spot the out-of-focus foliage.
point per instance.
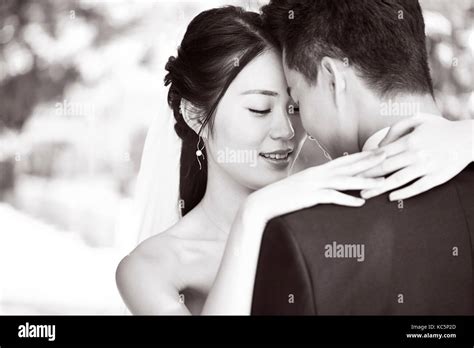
(47, 57)
(450, 33)
(39, 41)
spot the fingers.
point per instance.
(363, 164)
(398, 146)
(424, 184)
(390, 165)
(335, 197)
(343, 183)
(348, 159)
(347, 165)
(400, 129)
(397, 179)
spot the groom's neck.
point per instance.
(378, 113)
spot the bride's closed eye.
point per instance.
(260, 112)
(259, 102)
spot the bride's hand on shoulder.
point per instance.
(429, 149)
(315, 185)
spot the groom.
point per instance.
(356, 68)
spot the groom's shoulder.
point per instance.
(466, 178)
(454, 199)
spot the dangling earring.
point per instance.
(199, 149)
(199, 152)
(181, 107)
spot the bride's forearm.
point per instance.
(231, 293)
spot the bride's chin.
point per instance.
(272, 176)
(264, 178)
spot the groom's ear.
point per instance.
(191, 116)
(333, 73)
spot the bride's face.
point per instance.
(257, 130)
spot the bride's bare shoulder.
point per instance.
(151, 278)
(158, 254)
(158, 247)
(152, 268)
(167, 246)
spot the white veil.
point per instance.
(155, 205)
(157, 188)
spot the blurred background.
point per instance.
(80, 82)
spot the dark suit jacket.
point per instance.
(418, 257)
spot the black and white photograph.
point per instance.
(218, 159)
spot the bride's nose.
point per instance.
(281, 127)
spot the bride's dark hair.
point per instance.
(217, 45)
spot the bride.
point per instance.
(228, 94)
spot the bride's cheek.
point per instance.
(239, 132)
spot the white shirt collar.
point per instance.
(373, 142)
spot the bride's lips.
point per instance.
(278, 158)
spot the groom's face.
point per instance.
(317, 111)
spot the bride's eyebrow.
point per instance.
(261, 91)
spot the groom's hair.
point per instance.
(383, 39)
